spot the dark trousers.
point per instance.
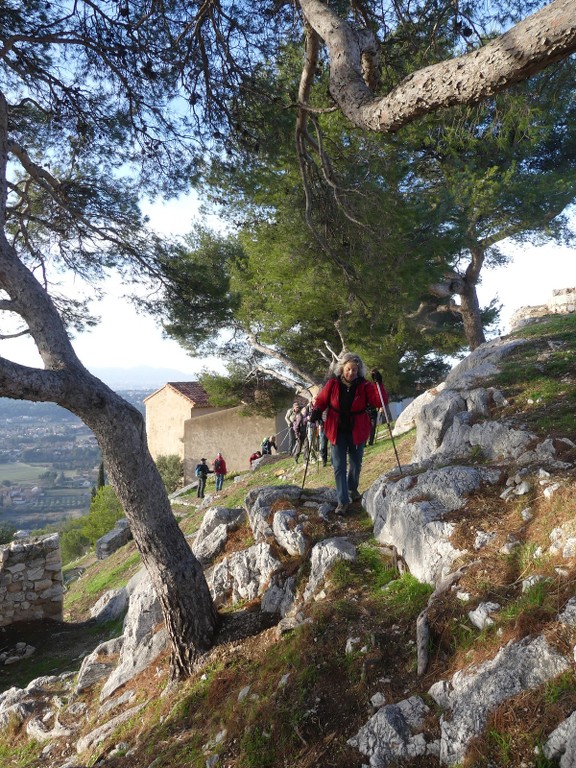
(201, 486)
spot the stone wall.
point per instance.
(234, 435)
(31, 580)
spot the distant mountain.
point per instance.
(142, 377)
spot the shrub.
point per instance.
(171, 470)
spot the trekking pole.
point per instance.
(307, 461)
(388, 423)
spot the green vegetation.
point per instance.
(19, 472)
(540, 375)
(406, 596)
(79, 534)
(171, 470)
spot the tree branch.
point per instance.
(543, 38)
(304, 377)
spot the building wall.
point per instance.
(31, 584)
(166, 412)
(235, 436)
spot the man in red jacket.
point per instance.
(346, 396)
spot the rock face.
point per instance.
(409, 514)
(472, 694)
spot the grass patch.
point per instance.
(371, 569)
(406, 596)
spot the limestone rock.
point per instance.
(324, 555)
(472, 694)
(409, 515)
(394, 733)
(242, 576)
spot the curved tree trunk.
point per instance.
(176, 574)
(470, 311)
(541, 39)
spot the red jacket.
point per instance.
(366, 394)
(222, 470)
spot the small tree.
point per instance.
(171, 470)
(105, 510)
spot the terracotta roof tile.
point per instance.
(191, 390)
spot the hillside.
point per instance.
(295, 698)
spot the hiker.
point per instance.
(347, 395)
(374, 414)
(318, 424)
(267, 444)
(254, 457)
(322, 443)
(291, 414)
(202, 471)
(299, 430)
(219, 470)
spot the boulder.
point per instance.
(409, 514)
(324, 555)
(472, 694)
(144, 636)
(394, 733)
(242, 576)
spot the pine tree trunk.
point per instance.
(470, 311)
(176, 574)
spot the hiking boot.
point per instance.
(355, 496)
(341, 509)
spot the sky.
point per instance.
(125, 339)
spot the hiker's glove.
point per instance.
(316, 415)
(376, 376)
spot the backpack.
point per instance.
(217, 465)
(198, 470)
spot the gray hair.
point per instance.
(349, 357)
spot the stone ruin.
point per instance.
(563, 302)
(31, 584)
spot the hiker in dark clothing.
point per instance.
(202, 472)
(299, 426)
(267, 444)
(291, 414)
(347, 396)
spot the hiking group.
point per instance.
(203, 470)
(344, 413)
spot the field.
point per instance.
(21, 473)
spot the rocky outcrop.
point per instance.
(114, 539)
(563, 301)
(410, 513)
(470, 695)
(462, 448)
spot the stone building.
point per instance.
(180, 421)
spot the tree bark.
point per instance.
(532, 45)
(176, 575)
(470, 311)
